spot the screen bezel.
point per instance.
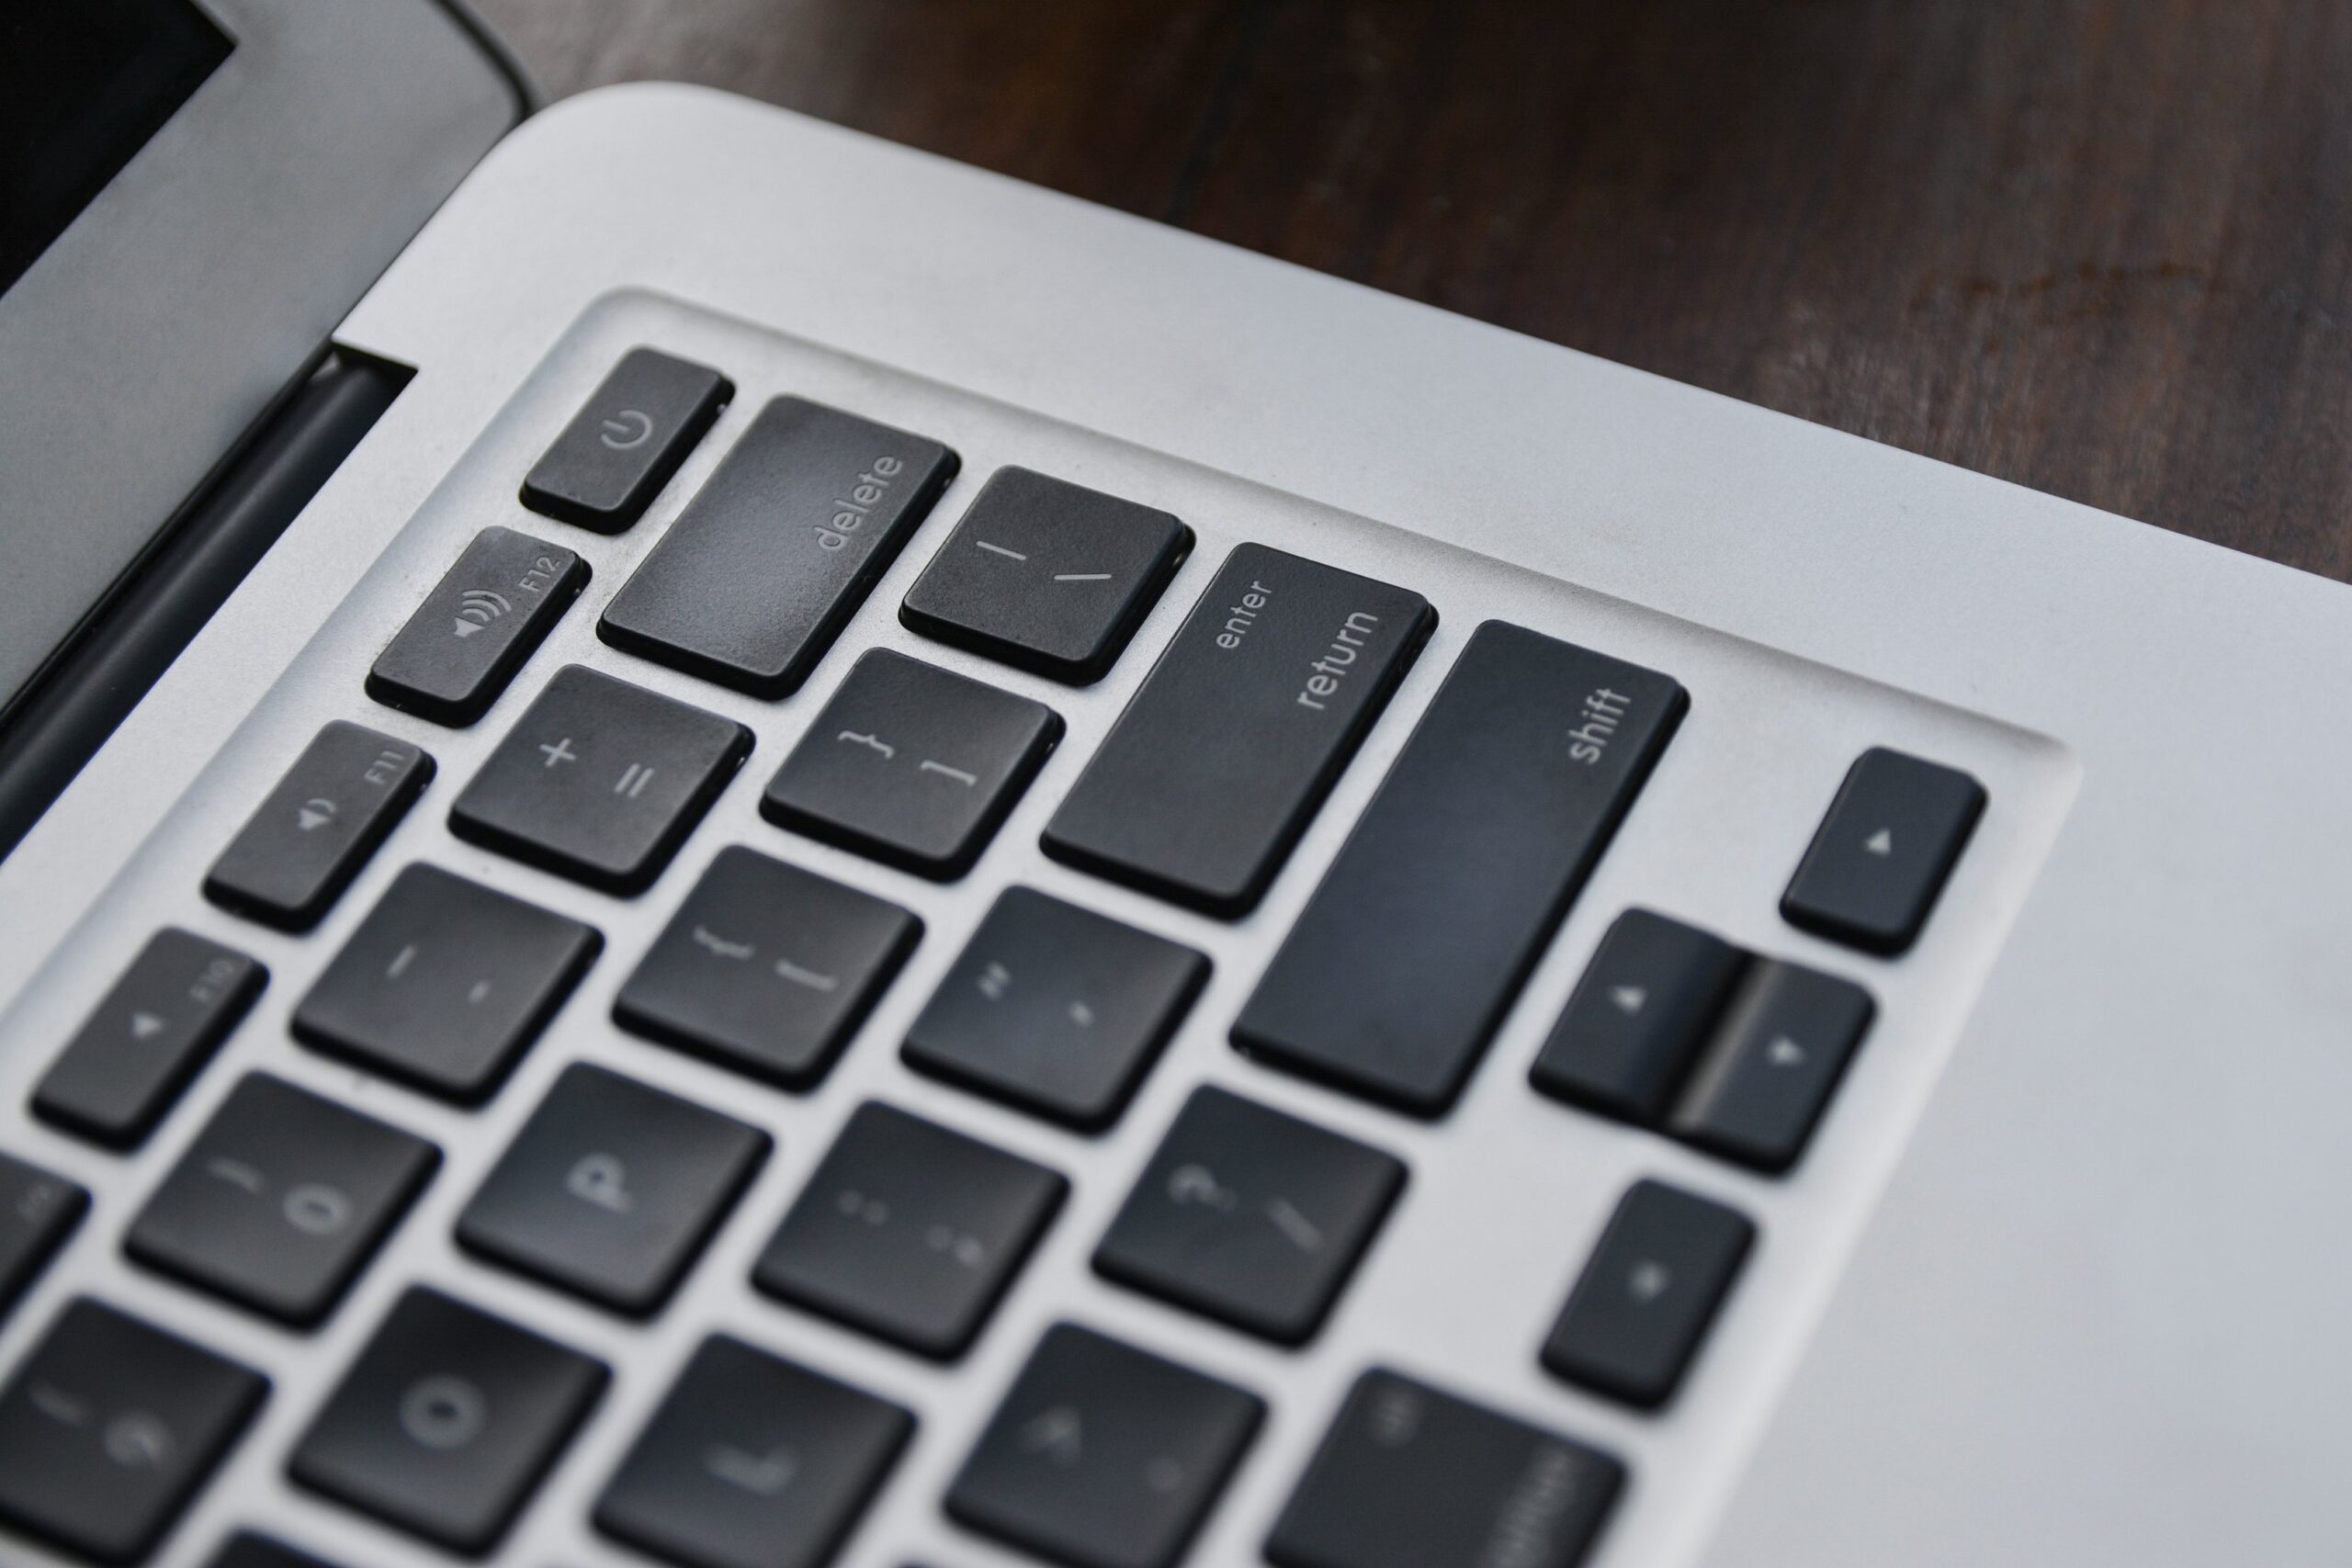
(154, 332)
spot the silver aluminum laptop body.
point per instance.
(2062, 1277)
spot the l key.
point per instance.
(1404, 961)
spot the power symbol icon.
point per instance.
(626, 429)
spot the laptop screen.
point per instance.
(82, 84)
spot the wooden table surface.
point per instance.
(2098, 247)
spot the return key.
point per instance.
(1239, 731)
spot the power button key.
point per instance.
(626, 440)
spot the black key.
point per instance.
(600, 780)
(446, 1422)
(768, 969)
(475, 629)
(1239, 731)
(1409, 1477)
(294, 857)
(773, 556)
(1639, 1017)
(611, 1189)
(1881, 855)
(1782, 1046)
(1048, 575)
(752, 1462)
(1250, 1216)
(1641, 1307)
(38, 1212)
(281, 1199)
(246, 1549)
(626, 441)
(155, 1032)
(910, 1232)
(109, 1428)
(1411, 952)
(1056, 1010)
(1102, 1456)
(912, 766)
(446, 984)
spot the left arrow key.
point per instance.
(295, 856)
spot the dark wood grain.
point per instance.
(2099, 247)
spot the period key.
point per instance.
(1239, 733)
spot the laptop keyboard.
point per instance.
(1069, 786)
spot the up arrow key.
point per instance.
(1852, 886)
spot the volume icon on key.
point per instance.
(476, 609)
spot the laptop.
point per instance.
(734, 849)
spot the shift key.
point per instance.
(1397, 974)
(779, 548)
(1228, 749)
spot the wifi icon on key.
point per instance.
(476, 609)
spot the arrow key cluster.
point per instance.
(1676, 1029)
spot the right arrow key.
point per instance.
(1881, 856)
(1776, 1059)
